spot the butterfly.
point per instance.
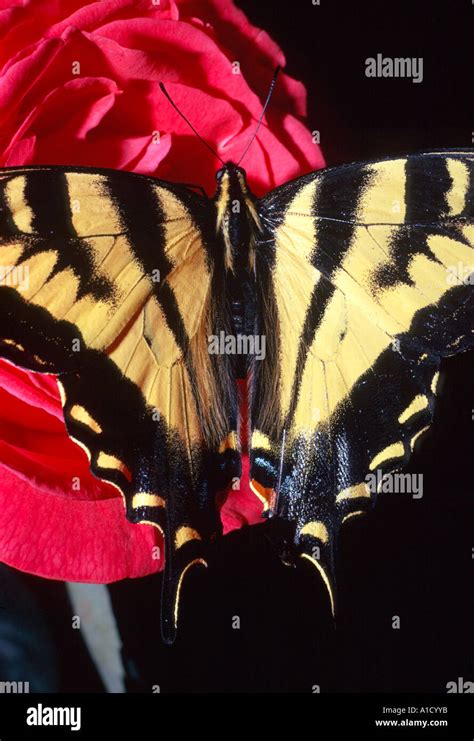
(335, 296)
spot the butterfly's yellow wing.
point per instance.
(364, 275)
(110, 280)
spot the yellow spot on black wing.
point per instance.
(316, 530)
(142, 499)
(434, 382)
(395, 450)
(105, 460)
(260, 440)
(419, 403)
(418, 434)
(353, 514)
(80, 414)
(354, 492)
(14, 344)
(184, 534)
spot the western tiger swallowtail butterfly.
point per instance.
(352, 281)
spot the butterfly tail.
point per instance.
(191, 523)
(317, 548)
(183, 550)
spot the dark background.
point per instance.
(411, 558)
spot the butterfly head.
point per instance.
(231, 177)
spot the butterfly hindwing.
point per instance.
(363, 280)
(111, 281)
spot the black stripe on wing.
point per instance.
(333, 239)
(47, 195)
(142, 217)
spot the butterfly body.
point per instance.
(350, 275)
(236, 222)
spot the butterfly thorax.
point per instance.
(236, 217)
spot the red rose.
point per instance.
(79, 86)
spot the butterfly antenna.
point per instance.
(270, 92)
(164, 90)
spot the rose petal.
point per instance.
(72, 540)
(79, 86)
